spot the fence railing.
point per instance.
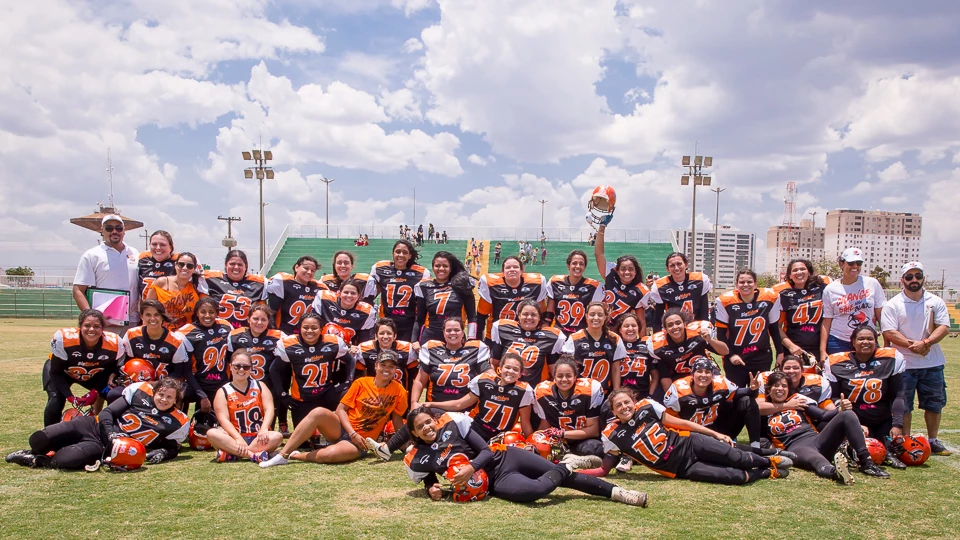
(40, 281)
(553, 234)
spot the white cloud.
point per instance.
(861, 188)
(401, 105)
(379, 69)
(412, 45)
(477, 160)
(891, 201)
(894, 173)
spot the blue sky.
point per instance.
(483, 106)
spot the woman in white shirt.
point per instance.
(852, 300)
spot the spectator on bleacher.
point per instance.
(343, 262)
(446, 239)
(178, 293)
(497, 250)
(430, 233)
(914, 322)
(366, 240)
(157, 262)
(543, 238)
(111, 268)
(533, 256)
(592, 238)
(543, 255)
(401, 231)
(449, 294)
(623, 281)
(438, 237)
(359, 241)
(235, 289)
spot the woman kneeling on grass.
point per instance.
(361, 414)
(666, 445)
(245, 411)
(515, 475)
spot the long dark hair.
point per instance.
(414, 254)
(412, 416)
(333, 268)
(197, 270)
(144, 304)
(92, 313)
(813, 280)
(237, 253)
(459, 279)
(205, 301)
(774, 378)
(638, 278)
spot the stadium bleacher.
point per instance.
(324, 248)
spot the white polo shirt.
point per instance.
(911, 318)
(104, 267)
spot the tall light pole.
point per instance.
(261, 171)
(542, 203)
(328, 181)
(695, 171)
(716, 235)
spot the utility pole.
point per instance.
(814, 218)
(146, 239)
(414, 224)
(229, 242)
(542, 203)
(716, 235)
(328, 181)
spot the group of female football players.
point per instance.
(543, 383)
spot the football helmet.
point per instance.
(501, 441)
(600, 207)
(81, 406)
(137, 370)
(878, 452)
(475, 489)
(71, 414)
(913, 449)
(550, 446)
(334, 329)
(126, 455)
(199, 424)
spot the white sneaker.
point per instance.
(275, 460)
(582, 462)
(628, 496)
(842, 466)
(380, 449)
(625, 464)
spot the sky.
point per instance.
(483, 106)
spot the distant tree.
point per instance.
(828, 267)
(880, 275)
(20, 276)
(767, 280)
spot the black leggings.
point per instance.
(587, 447)
(740, 375)
(76, 443)
(733, 417)
(814, 453)
(57, 386)
(713, 461)
(523, 477)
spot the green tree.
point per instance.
(767, 280)
(20, 276)
(880, 275)
(828, 267)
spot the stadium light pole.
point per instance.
(542, 202)
(716, 235)
(328, 181)
(695, 172)
(261, 171)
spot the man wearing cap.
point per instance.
(848, 302)
(914, 322)
(111, 266)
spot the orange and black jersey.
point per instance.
(690, 296)
(499, 301)
(262, 349)
(637, 367)
(598, 357)
(786, 428)
(395, 288)
(450, 372)
(569, 412)
(167, 354)
(425, 460)
(313, 367)
(748, 327)
(69, 355)
(142, 421)
(245, 409)
(498, 406)
(207, 349)
(291, 300)
(149, 270)
(354, 325)
(571, 301)
(438, 302)
(800, 313)
(235, 297)
(680, 400)
(539, 348)
(645, 439)
(871, 386)
(333, 284)
(812, 386)
(620, 298)
(674, 359)
(409, 361)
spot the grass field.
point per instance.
(192, 498)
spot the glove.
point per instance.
(156, 456)
(605, 220)
(554, 432)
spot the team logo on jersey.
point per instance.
(296, 287)
(574, 403)
(445, 436)
(90, 356)
(607, 346)
(706, 401)
(735, 307)
(210, 331)
(154, 411)
(682, 348)
(153, 347)
(680, 287)
(584, 289)
(167, 419)
(524, 289)
(355, 315)
(242, 340)
(76, 354)
(164, 350)
(312, 349)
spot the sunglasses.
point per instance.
(855, 263)
(910, 277)
(188, 266)
(113, 228)
(241, 367)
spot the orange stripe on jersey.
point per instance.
(70, 337)
(328, 295)
(683, 386)
(533, 279)
(836, 358)
(173, 339)
(134, 332)
(330, 338)
(885, 352)
(558, 277)
(584, 387)
(257, 278)
(213, 274)
(729, 298)
(495, 279)
(579, 334)
(782, 286)
(695, 276)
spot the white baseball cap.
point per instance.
(910, 266)
(852, 255)
(110, 217)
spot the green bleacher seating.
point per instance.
(378, 250)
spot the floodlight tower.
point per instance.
(695, 171)
(261, 171)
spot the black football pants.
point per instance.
(734, 416)
(814, 453)
(57, 386)
(75, 444)
(718, 463)
(523, 477)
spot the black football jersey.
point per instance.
(290, 300)
(143, 422)
(789, 427)
(423, 459)
(333, 284)
(314, 366)
(645, 439)
(569, 412)
(674, 359)
(395, 288)
(350, 324)
(207, 349)
(441, 302)
(539, 348)
(680, 400)
(749, 324)
(262, 349)
(498, 408)
(801, 311)
(812, 386)
(620, 298)
(149, 270)
(499, 300)
(235, 297)
(82, 364)
(637, 367)
(866, 384)
(162, 353)
(450, 372)
(571, 301)
(597, 357)
(690, 296)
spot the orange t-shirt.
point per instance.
(179, 305)
(369, 408)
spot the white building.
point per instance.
(735, 253)
(805, 242)
(888, 239)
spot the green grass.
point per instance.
(192, 498)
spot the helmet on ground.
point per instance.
(878, 452)
(138, 370)
(199, 424)
(475, 489)
(549, 446)
(915, 449)
(126, 454)
(71, 414)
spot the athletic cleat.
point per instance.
(781, 462)
(260, 457)
(581, 462)
(894, 462)
(277, 459)
(843, 469)
(223, 457)
(22, 457)
(380, 449)
(628, 496)
(625, 465)
(937, 448)
(871, 469)
(778, 473)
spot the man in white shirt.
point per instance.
(914, 322)
(111, 265)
